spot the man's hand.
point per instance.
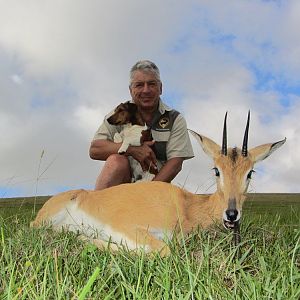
(144, 155)
(169, 170)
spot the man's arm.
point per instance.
(102, 149)
(169, 171)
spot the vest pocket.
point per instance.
(160, 136)
(160, 145)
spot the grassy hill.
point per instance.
(44, 264)
(260, 199)
(20, 201)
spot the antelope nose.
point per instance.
(231, 214)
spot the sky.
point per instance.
(65, 64)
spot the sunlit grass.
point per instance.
(42, 264)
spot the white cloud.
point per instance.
(64, 65)
(16, 79)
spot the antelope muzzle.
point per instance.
(231, 216)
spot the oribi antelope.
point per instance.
(145, 215)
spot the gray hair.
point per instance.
(146, 66)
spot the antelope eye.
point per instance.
(217, 173)
(250, 174)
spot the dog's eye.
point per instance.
(249, 175)
(217, 173)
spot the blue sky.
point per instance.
(64, 65)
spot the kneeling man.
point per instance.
(171, 144)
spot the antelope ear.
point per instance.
(263, 151)
(208, 146)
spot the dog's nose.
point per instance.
(231, 214)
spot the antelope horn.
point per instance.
(245, 141)
(224, 142)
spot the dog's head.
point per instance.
(126, 113)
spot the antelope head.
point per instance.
(233, 168)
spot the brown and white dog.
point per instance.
(134, 133)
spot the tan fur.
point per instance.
(132, 208)
(138, 215)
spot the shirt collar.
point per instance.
(162, 107)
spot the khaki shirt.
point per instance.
(178, 140)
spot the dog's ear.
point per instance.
(132, 108)
(135, 115)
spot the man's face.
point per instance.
(145, 90)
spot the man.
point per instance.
(171, 142)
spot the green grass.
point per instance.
(42, 264)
